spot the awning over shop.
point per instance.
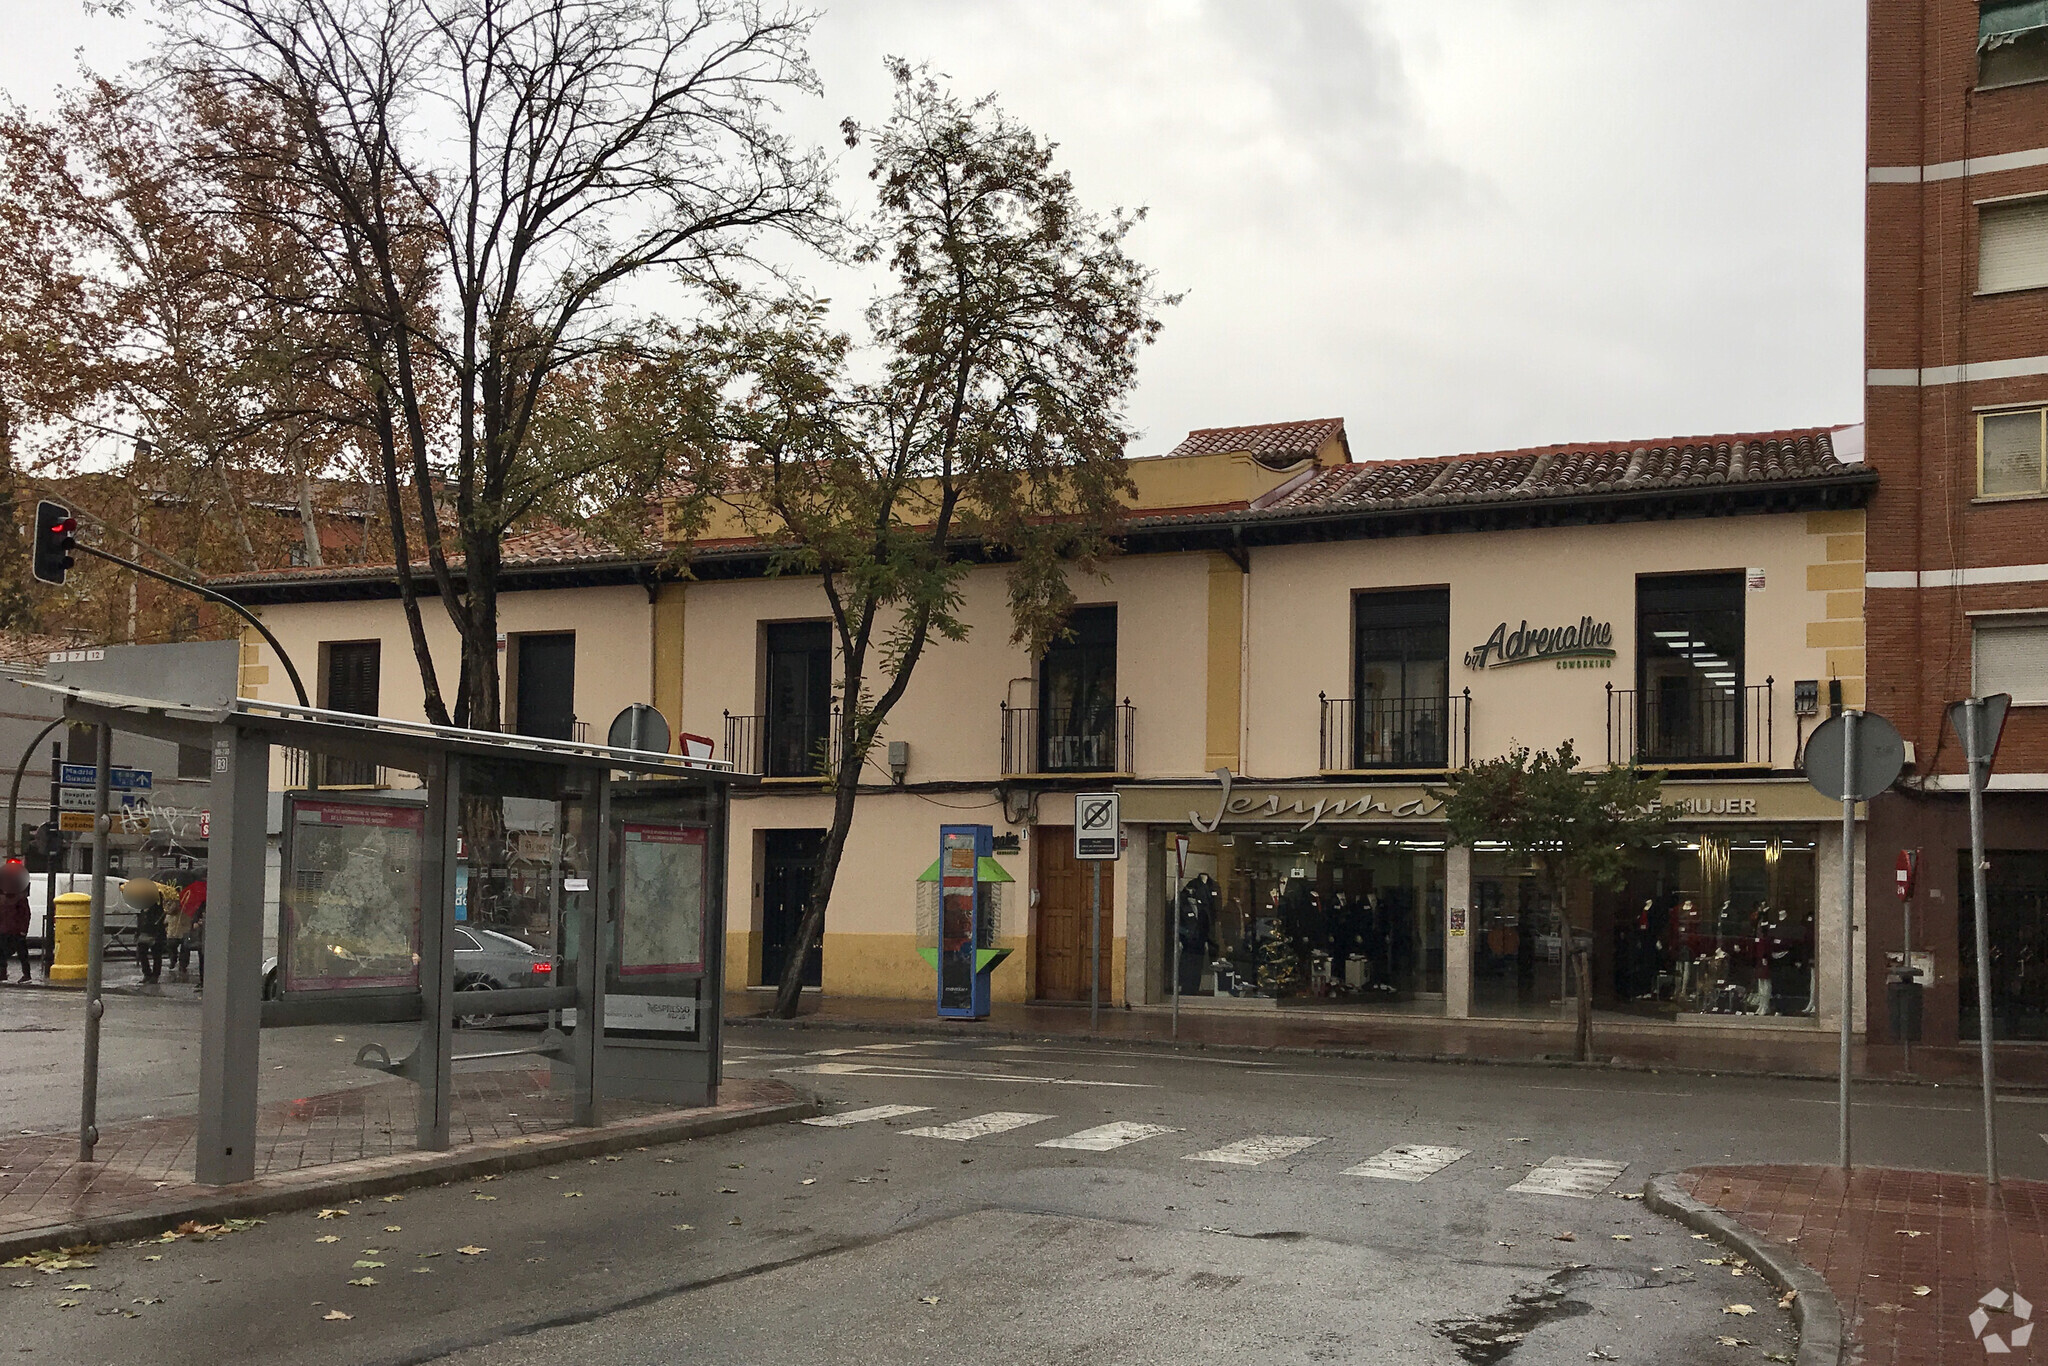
(2007, 21)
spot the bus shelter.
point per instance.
(612, 860)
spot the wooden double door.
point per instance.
(1065, 917)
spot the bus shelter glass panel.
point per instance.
(666, 851)
(523, 871)
(350, 913)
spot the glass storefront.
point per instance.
(1352, 918)
(1715, 922)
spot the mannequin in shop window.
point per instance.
(1197, 923)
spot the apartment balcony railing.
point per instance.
(784, 750)
(1074, 740)
(1384, 733)
(1690, 725)
(301, 767)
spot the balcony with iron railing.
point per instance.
(303, 770)
(1697, 725)
(785, 749)
(1428, 735)
(1055, 742)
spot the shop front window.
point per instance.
(2016, 886)
(1709, 923)
(1335, 920)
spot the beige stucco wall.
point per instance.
(950, 715)
(614, 647)
(1300, 634)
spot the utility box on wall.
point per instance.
(959, 919)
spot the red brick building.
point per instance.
(1956, 414)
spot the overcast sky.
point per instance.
(1468, 226)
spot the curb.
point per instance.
(1821, 1340)
(406, 1171)
(946, 1029)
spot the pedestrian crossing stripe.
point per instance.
(979, 1126)
(1104, 1137)
(1579, 1177)
(1250, 1152)
(840, 1121)
(1408, 1162)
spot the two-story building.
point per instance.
(1293, 650)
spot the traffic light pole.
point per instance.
(14, 792)
(244, 613)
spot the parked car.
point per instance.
(485, 960)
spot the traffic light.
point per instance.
(56, 534)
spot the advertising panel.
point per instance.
(351, 896)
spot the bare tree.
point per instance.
(493, 187)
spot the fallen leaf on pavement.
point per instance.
(1628, 1195)
(393, 1228)
(669, 1160)
(1699, 1237)
(153, 1257)
(1622, 1237)
(572, 1195)
(472, 1250)
(67, 1304)
(808, 1181)
(734, 1221)
(1923, 1290)
(328, 1238)
(486, 1197)
(615, 1159)
(1744, 1310)
(1598, 1354)
(1727, 1341)
(1885, 1308)
(492, 1177)
(363, 1265)
(423, 1271)
(1713, 1261)
(727, 1190)
(332, 1214)
(1566, 1237)
(1909, 1233)
(682, 1228)
(928, 1299)
(554, 1178)
(392, 1199)
(1785, 1300)
(80, 1286)
(364, 1280)
(336, 1314)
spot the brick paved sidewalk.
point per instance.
(1883, 1236)
(341, 1137)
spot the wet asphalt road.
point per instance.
(870, 1242)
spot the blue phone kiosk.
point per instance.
(960, 915)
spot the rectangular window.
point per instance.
(2011, 656)
(799, 712)
(1401, 679)
(1077, 710)
(2012, 246)
(349, 683)
(2012, 42)
(1689, 646)
(545, 683)
(2012, 453)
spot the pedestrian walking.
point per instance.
(13, 916)
(146, 896)
(177, 934)
(192, 905)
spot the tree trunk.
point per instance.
(790, 989)
(17, 611)
(1582, 964)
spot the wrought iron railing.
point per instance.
(1694, 724)
(1373, 732)
(332, 770)
(1069, 740)
(783, 750)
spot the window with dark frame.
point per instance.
(350, 685)
(1401, 679)
(2012, 453)
(2012, 42)
(545, 686)
(799, 710)
(1077, 711)
(1689, 660)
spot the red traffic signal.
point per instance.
(56, 534)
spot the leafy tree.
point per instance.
(492, 189)
(1004, 348)
(1576, 828)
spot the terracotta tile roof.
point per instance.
(544, 546)
(1567, 471)
(1278, 444)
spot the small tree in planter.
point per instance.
(1571, 826)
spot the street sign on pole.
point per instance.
(1909, 873)
(119, 780)
(1098, 823)
(1978, 722)
(1098, 839)
(1851, 758)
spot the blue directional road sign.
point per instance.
(118, 780)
